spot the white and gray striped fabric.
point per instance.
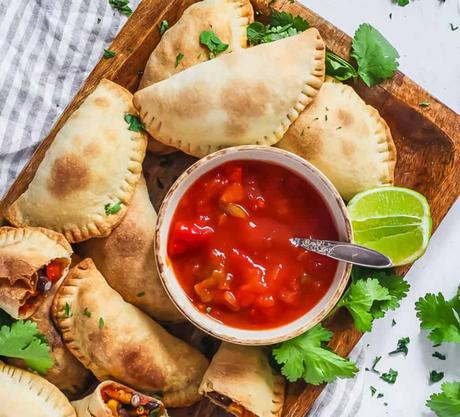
(47, 49)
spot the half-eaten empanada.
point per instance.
(345, 138)
(250, 96)
(67, 373)
(86, 180)
(228, 19)
(111, 399)
(25, 394)
(32, 261)
(118, 341)
(241, 380)
(126, 259)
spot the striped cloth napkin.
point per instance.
(48, 48)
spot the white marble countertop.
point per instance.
(430, 55)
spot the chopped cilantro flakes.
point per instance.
(109, 54)
(389, 376)
(436, 376)
(179, 58)
(112, 208)
(164, 26)
(402, 346)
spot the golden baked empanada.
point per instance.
(25, 394)
(126, 259)
(117, 340)
(241, 380)
(89, 173)
(110, 397)
(250, 96)
(32, 260)
(228, 19)
(345, 138)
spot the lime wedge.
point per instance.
(392, 220)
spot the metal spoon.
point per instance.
(343, 251)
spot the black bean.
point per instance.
(151, 405)
(43, 284)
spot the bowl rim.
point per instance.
(161, 263)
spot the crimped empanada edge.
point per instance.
(383, 133)
(40, 387)
(102, 227)
(9, 235)
(67, 294)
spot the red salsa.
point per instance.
(229, 245)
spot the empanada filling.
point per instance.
(229, 405)
(44, 280)
(124, 403)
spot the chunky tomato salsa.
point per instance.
(229, 245)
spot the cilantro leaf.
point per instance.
(109, 54)
(396, 286)
(339, 68)
(376, 58)
(134, 123)
(164, 26)
(447, 402)
(213, 42)
(402, 3)
(121, 6)
(440, 316)
(110, 208)
(23, 341)
(305, 357)
(359, 299)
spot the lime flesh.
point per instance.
(392, 220)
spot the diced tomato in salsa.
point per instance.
(229, 245)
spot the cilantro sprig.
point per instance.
(22, 340)
(305, 357)
(376, 58)
(440, 316)
(447, 402)
(281, 25)
(212, 41)
(371, 294)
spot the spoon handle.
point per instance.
(344, 251)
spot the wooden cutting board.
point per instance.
(427, 141)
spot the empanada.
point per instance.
(126, 259)
(86, 180)
(345, 138)
(25, 394)
(110, 398)
(67, 373)
(117, 340)
(241, 380)
(32, 260)
(228, 19)
(250, 96)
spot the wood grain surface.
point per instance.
(427, 141)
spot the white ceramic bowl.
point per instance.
(178, 295)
